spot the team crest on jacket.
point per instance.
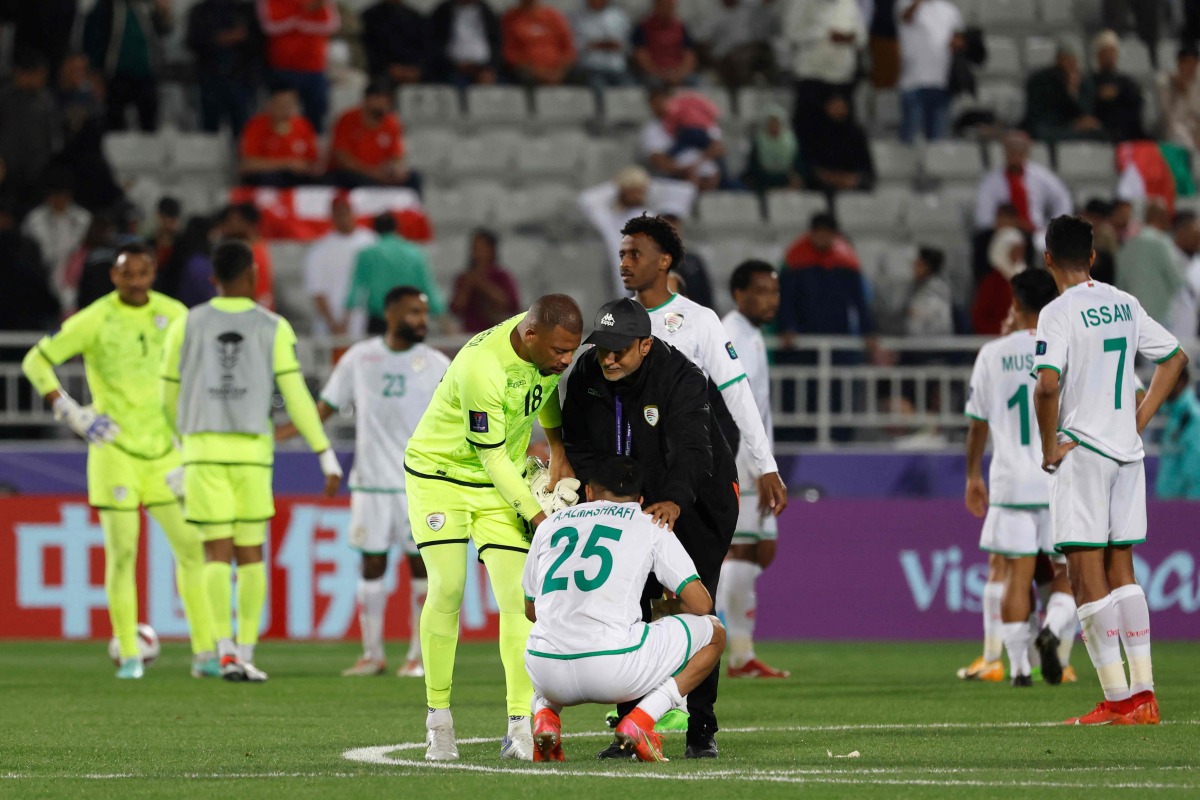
(161, 322)
(436, 521)
(673, 322)
(120, 493)
(651, 415)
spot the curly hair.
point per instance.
(662, 232)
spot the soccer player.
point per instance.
(132, 462)
(465, 482)
(649, 247)
(221, 364)
(755, 289)
(585, 572)
(1091, 444)
(1017, 526)
(389, 380)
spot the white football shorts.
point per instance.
(379, 520)
(1016, 532)
(1096, 502)
(616, 678)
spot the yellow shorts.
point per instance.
(222, 494)
(120, 481)
(441, 512)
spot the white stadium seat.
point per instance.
(1003, 57)
(428, 104)
(497, 105)
(895, 162)
(560, 154)
(789, 211)
(1039, 52)
(729, 211)
(539, 206)
(1135, 58)
(427, 149)
(200, 152)
(463, 207)
(952, 161)
(878, 213)
(1085, 161)
(564, 105)
(1039, 153)
(625, 105)
(131, 153)
(489, 154)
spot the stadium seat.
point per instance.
(895, 162)
(428, 104)
(1007, 14)
(789, 211)
(603, 158)
(1085, 161)
(1005, 99)
(523, 256)
(579, 269)
(625, 105)
(464, 207)
(560, 154)
(497, 105)
(132, 153)
(1039, 52)
(935, 215)
(564, 105)
(1168, 52)
(1083, 192)
(951, 161)
(720, 98)
(870, 256)
(1057, 12)
(199, 152)
(491, 153)
(449, 255)
(1039, 153)
(1003, 57)
(729, 211)
(751, 102)
(878, 213)
(879, 110)
(427, 149)
(1135, 58)
(538, 207)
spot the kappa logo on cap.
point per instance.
(435, 521)
(607, 320)
(1041, 349)
(479, 422)
(651, 415)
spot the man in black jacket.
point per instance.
(635, 395)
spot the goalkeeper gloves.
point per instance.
(93, 427)
(563, 495)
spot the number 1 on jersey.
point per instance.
(1021, 401)
(1118, 345)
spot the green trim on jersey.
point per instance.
(622, 651)
(1007, 553)
(1022, 506)
(323, 399)
(1087, 446)
(529, 599)
(1058, 548)
(687, 656)
(729, 383)
(663, 305)
(1169, 355)
(686, 581)
(969, 415)
(1038, 367)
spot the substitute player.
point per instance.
(465, 482)
(1091, 444)
(583, 580)
(1016, 498)
(221, 364)
(389, 380)
(755, 289)
(131, 458)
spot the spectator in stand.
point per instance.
(684, 140)
(539, 49)
(45, 26)
(1179, 454)
(1147, 15)
(821, 286)
(608, 207)
(884, 45)
(691, 271)
(27, 302)
(57, 225)
(29, 130)
(1185, 307)
(329, 265)
(1122, 220)
(930, 307)
(602, 36)
(1054, 109)
(1147, 266)
(392, 261)
(76, 90)
(837, 151)
(827, 37)
(168, 221)
(1179, 99)
(123, 40)
(1113, 97)
(279, 147)
(485, 293)
(187, 275)
(227, 43)
(1104, 239)
(736, 42)
(110, 232)
(368, 144)
(298, 33)
(349, 39)
(82, 153)
(993, 296)
(1037, 194)
(775, 160)
(466, 42)
(663, 50)
(396, 38)
(240, 221)
(929, 30)
(981, 240)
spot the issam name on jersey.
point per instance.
(1105, 315)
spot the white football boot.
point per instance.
(439, 736)
(518, 743)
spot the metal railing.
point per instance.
(827, 393)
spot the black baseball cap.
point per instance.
(618, 323)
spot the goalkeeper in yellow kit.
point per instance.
(132, 462)
(465, 481)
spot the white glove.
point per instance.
(565, 494)
(174, 480)
(329, 463)
(537, 475)
(95, 428)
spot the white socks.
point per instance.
(419, 589)
(664, 698)
(993, 640)
(372, 599)
(1062, 621)
(246, 653)
(1134, 614)
(1102, 635)
(1016, 642)
(226, 647)
(736, 603)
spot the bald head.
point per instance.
(550, 333)
(556, 311)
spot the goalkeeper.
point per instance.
(131, 458)
(464, 465)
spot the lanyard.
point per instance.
(627, 427)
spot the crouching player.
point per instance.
(583, 583)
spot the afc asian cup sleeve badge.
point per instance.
(1041, 349)
(435, 521)
(651, 415)
(732, 352)
(673, 321)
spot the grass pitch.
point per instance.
(70, 729)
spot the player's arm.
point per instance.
(551, 419)
(38, 366)
(1050, 360)
(977, 435)
(529, 581)
(288, 429)
(1156, 343)
(169, 372)
(301, 407)
(335, 395)
(675, 568)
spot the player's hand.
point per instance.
(560, 467)
(664, 514)
(1050, 463)
(285, 431)
(772, 494)
(332, 470)
(93, 427)
(174, 480)
(977, 496)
